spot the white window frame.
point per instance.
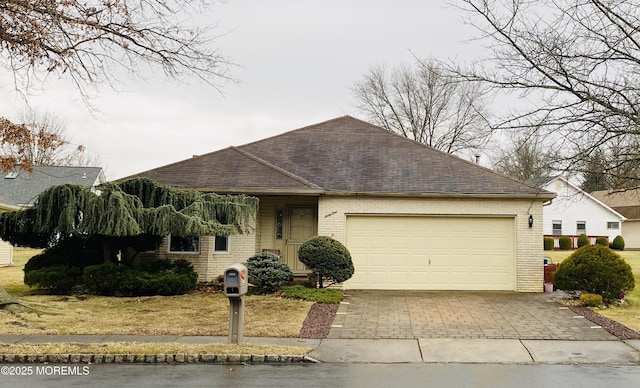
(225, 252)
(553, 229)
(580, 231)
(169, 250)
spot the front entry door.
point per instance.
(300, 226)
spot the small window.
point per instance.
(581, 227)
(613, 225)
(184, 244)
(222, 244)
(557, 227)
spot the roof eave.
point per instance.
(540, 196)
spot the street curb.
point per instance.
(180, 358)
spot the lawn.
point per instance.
(197, 313)
(629, 313)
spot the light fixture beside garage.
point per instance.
(530, 220)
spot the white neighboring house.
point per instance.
(20, 189)
(574, 212)
(627, 202)
(6, 250)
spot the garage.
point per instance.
(392, 252)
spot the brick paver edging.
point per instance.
(152, 358)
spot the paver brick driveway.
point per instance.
(460, 314)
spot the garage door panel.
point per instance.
(423, 252)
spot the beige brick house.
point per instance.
(412, 217)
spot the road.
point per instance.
(325, 375)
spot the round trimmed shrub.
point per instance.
(583, 240)
(618, 243)
(267, 272)
(595, 269)
(328, 258)
(565, 243)
(602, 241)
(548, 243)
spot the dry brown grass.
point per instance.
(151, 348)
(197, 313)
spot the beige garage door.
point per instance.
(431, 253)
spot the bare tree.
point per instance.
(425, 104)
(527, 157)
(39, 139)
(92, 41)
(577, 61)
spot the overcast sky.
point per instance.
(297, 61)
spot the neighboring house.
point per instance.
(411, 216)
(574, 212)
(626, 203)
(6, 250)
(19, 188)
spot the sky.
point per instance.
(297, 61)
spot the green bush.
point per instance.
(57, 279)
(591, 300)
(328, 258)
(71, 252)
(602, 241)
(153, 277)
(618, 243)
(267, 272)
(318, 295)
(548, 243)
(565, 243)
(597, 270)
(583, 240)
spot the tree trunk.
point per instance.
(9, 303)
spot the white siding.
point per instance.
(6, 253)
(573, 205)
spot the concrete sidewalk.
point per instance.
(428, 350)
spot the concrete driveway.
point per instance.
(460, 314)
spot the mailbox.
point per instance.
(235, 280)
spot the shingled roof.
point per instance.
(21, 188)
(342, 156)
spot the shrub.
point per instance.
(328, 258)
(602, 241)
(591, 300)
(71, 252)
(595, 269)
(618, 243)
(318, 295)
(583, 240)
(565, 243)
(153, 277)
(57, 279)
(267, 272)
(548, 243)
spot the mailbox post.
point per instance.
(236, 286)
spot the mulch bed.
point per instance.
(318, 321)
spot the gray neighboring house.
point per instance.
(20, 189)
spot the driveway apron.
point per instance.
(460, 314)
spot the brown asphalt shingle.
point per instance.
(343, 155)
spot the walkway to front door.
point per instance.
(459, 314)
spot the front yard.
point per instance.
(197, 313)
(629, 313)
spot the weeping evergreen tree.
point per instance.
(122, 212)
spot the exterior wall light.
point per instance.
(530, 221)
